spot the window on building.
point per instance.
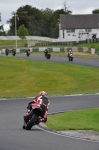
(88, 30)
(70, 30)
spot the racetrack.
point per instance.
(77, 60)
(13, 137)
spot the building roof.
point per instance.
(90, 21)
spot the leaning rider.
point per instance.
(43, 101)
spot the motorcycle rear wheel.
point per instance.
(31, 122)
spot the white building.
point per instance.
(78, 27)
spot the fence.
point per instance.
(65, 49)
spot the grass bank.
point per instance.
(23, 42)
(85, 119)
(23, 78)
(12, 42)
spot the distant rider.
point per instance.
(70, 52)
(14, 50)
(7, 51)
(46, 52)
(27, 50)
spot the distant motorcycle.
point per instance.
(14, 52)
(28, 52)
(7, 52)
(48, 55)
(34, 116)
(70, 57)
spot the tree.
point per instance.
(2, 32)
(37, 22)
(96, 11)
(54, 26)
(22, 32)
(28, 15)
(66, 8)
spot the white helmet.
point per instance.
(42, 93)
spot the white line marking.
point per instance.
(65, 135)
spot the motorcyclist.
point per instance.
(46, 52)
(43, 101)
(7, 50)
(27, 50)
(70, 52)
(14, 50)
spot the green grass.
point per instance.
(12, 42)
(22, 78)
(86, 119)
(25, 78)
(22, 42)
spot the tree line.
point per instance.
(38, 22)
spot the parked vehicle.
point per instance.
(34, 116)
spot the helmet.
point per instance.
(42, 93)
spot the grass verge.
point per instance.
(86, 119)
(23, 78)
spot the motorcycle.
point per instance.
(7, 52)
(70, 57)
(45, 53)
(34, 116)
(27, 52)
(48, 55)
(13, 52)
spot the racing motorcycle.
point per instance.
(70, 57)
(34, 116)
(27, 52)
(14, 52)
(48, 55)
(7, 52)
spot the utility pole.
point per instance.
(15, 31)
(0, 17)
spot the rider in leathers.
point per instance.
(40, 99)
(70, 52)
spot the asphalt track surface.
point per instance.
(13, 137)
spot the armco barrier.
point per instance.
(65, 49)
(10, 51)
(80, 49)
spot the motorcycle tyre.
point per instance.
(31, 122)
(13, 54)
(70, 59)
(27, 55)
(48, 57)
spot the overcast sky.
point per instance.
(76, 6)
